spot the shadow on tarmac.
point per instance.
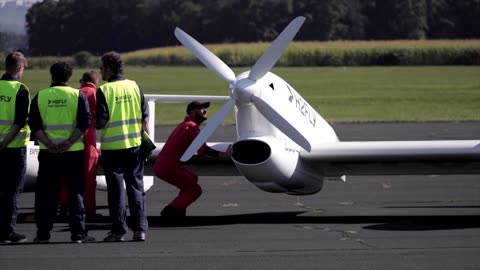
(383, 223)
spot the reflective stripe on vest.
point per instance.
(58, 108)
(8, 98)
(124, 128)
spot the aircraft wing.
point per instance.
(395, 157)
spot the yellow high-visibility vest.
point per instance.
(58, 106)
(124, 128)
(8, 98)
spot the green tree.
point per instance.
(468, 24)
(441, 19)
(326, 20)
(43, 27)
(356, 20)
(64, 27)
(397, 19)
(410, 21)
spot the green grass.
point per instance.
(351, 94)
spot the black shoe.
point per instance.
(93, 217)
(37, 240)
(170, 212)
(111, 237)
(14, 237)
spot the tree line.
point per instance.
(64, 27)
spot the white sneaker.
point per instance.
(111, 237)
(138, 236)
(14, 237)
(85, 239)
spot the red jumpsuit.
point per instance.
(168, 165)
(91, 154)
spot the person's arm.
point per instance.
(145, 112)
(42, 137)
(10, 136)
(214, 153)
(211, 152)
(21, 107)
(207, 150)
(34, 119)
(102, 111)
(83, 113)
(21, 113)
(65, 145)
(83, 122)
(146, 128)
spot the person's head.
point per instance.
(15, 63)
(197, 111)
(89, 76)
(61, 72)
(111, 64)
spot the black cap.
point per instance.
(197, 104)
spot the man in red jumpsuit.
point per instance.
(88, 86)
(168, 166)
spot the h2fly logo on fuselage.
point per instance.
(302, 106)
(57, 102)
(5, 98)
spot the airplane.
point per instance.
(284, 145)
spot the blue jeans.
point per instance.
(125, 166)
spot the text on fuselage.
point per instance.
(302, 106)
(34, 151)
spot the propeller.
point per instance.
(205, 56)
(264, 64)
(282, 122)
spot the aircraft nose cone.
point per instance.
(244, 89)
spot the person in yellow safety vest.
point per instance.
(59, 116)
(14, 137)
(122, 114)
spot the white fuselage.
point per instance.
(251, 123)
(266, 156)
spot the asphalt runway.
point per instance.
(382, 222)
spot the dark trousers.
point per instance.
(52, 169)
(125, 166)
(12, 179)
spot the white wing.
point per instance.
(396, 157)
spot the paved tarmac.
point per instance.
(382, 222)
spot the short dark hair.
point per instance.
(14, 60)
(89, 76)
(114, 61)
(61, 72)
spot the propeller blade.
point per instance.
(285, 125)
(270, 57)
(208, 130)
(205, 56)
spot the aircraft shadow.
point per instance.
(434, 207)
(393, 223)
(381, 223)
